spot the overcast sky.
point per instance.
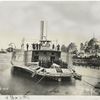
(67, 21)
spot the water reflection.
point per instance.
(22, 83)
(45, 87)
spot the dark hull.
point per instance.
(54, 78)
(20, 71)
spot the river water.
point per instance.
(21, 84)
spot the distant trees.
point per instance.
(70, 48)
(97, 48)
(63, 48)
(11, 47)
(81, 46)
(91, 46)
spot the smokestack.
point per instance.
(42, 30)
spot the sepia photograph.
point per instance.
(49, 48)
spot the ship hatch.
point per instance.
(52, 58)
(36, 58)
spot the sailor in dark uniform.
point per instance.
(40, 46)
(53, 46)
(37, 46)
(33, 46)
(58, 47)
(27, 46)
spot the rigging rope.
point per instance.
(36, 84)
(91, 77)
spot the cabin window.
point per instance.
(36, 52)
(45, 53)
(36, 58)
(52, 58)
(52, 53)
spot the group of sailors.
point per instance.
(36, 46)
(58, 47)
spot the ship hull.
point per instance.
(56, 77)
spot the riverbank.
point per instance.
(88, 71)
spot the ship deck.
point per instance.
(48, 72)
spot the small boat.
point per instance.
(44, 60)
(97, 86)
(77, 77)
(3, 51)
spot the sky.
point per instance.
(67, 21)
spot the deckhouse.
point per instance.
(44, 51)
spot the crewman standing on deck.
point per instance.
(53, 46)
(27, 46)
(37, 46)
(58, 47)
(40, 46)
(33, 46)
